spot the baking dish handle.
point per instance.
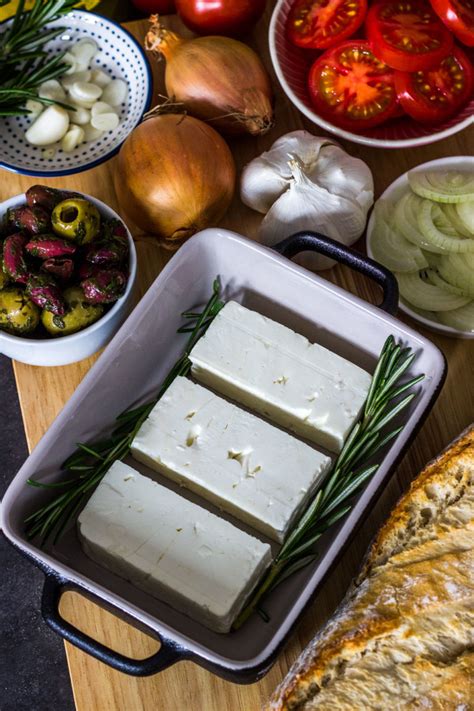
(168, 654)
(315, 242)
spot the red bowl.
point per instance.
(291, 65)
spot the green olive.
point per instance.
(79, 314)
(76, 219)
(18, 315)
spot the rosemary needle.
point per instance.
(348, 473)
(90, 462)
(24, 62)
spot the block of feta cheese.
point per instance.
(244, 465)
(278, 373)
(170, 547)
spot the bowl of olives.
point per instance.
(67, 271)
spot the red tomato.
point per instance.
(220, 17)
(163, 7)
(436, 94)
(458, 16)
(351, 88)
(407, 34)
(319, 24)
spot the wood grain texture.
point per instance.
(43, 392)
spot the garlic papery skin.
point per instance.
(267, 177)
(306, 206)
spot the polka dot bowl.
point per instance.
(119, 55)
(292, 64)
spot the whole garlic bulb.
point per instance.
(308, 182)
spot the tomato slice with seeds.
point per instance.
(436, 94)
(407, 34)
(351, 88)
(458, 16)
(319, 24)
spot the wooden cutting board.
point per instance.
(43, 392)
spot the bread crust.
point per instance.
(403, 637)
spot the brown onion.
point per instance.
(217, 79)
(175, 176)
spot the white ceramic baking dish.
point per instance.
(131, 369)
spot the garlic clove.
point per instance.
(85, 93)
(72, 138)
(344, 175)
(34, 108)
(261, 185)
(105, 121)
(49, 127)
(52, 90)
(100, 78)
(71, 61)
(91, 133)
(84, 50)
(115, 93)
(80, 116)
(101, 107)
(69, 79)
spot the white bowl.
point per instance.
(291, 65)
(69, 349)
(121, 56)
(393, 193)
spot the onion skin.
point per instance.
(175, 176)
(217, 79)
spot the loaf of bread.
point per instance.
(403, 638)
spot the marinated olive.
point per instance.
(76, 219)
(18, 314)
(4, 278)
(78, 315)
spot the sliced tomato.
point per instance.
(319, 24)
(351, 88)
(407, 34)
(436, 94)
(458, 16)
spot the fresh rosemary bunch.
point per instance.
(90, 462)
(350, 470)
(24, 64)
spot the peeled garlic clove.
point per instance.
(84, 92)
(80, 116)
(49, 152)
(91, 133)
(69, 59)
(34, 108)
(72, 138)
(101, 107)
(115, 93)
(100, 78)
(83, 52)
(67, 80)
(105, 122)
(86, 46)
(52, 90)
(49, 127)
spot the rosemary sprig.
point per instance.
(90, 462)
(24, 63)
(350, 471)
